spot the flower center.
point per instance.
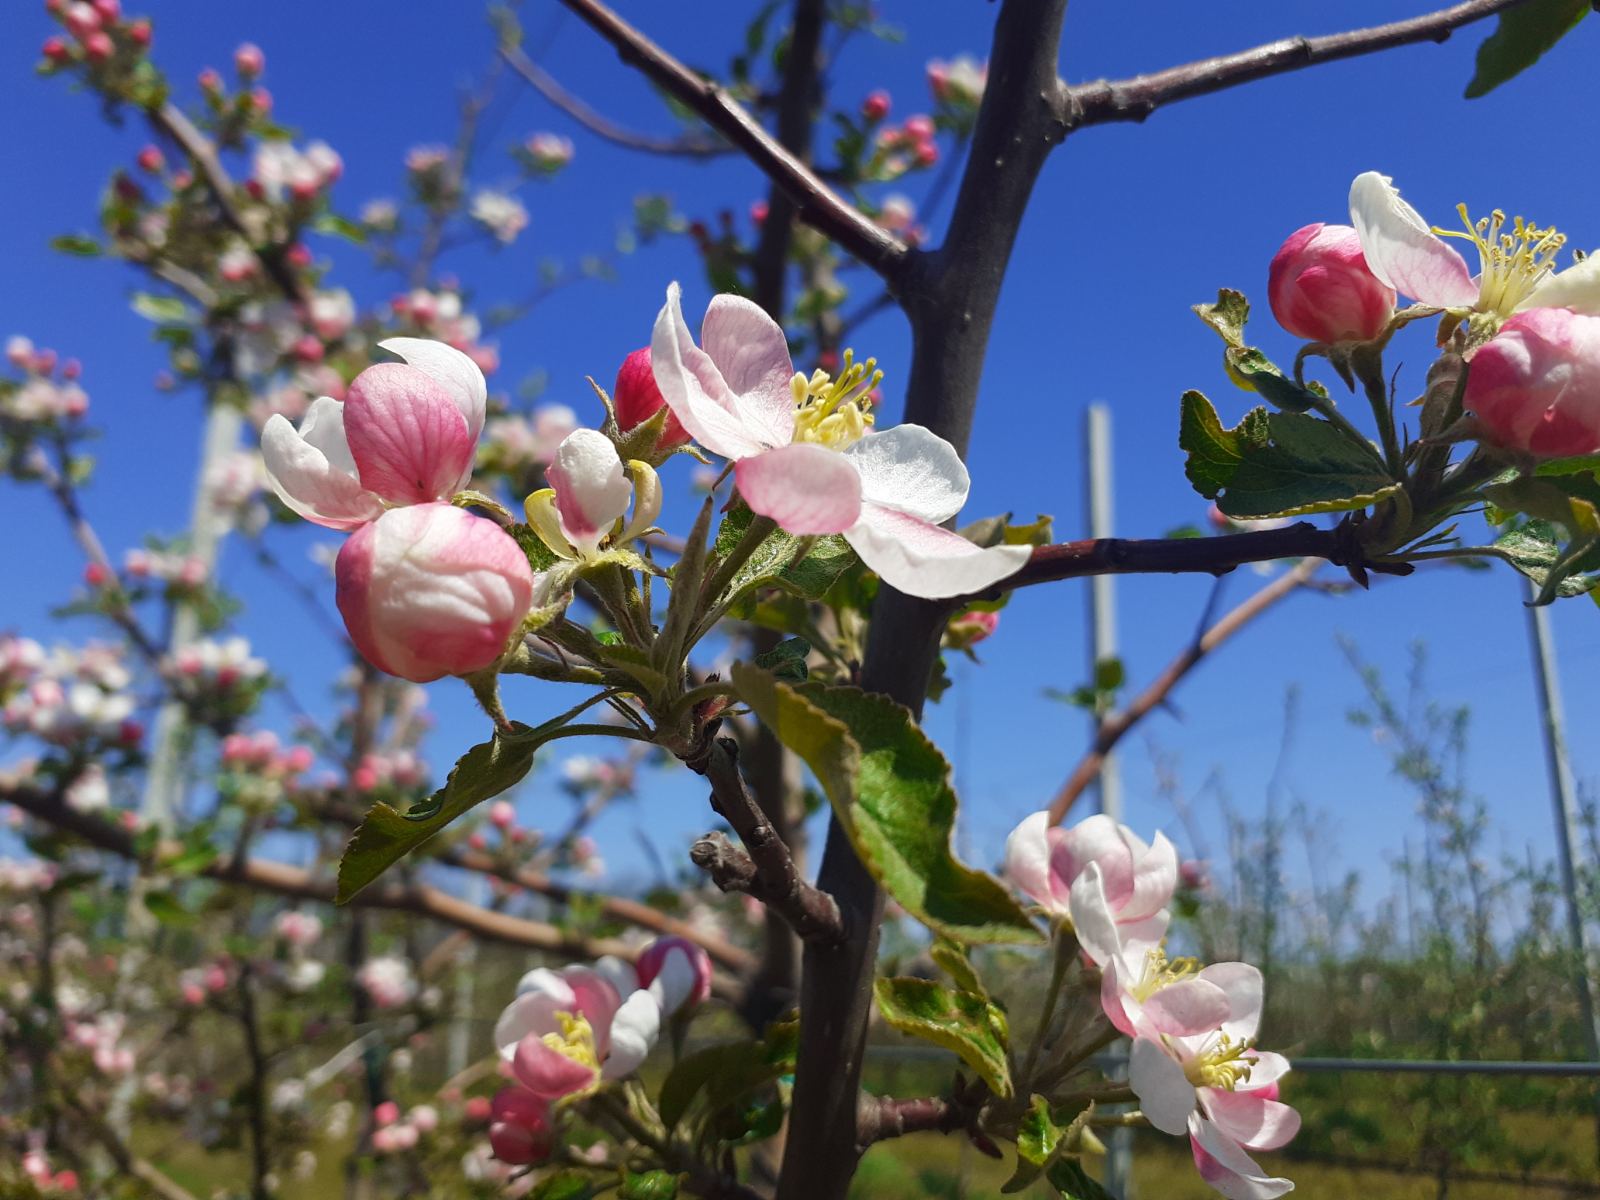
(1513, 262)
(1160, 972)
(1223, 1064)
(835, 413)
(576, 1041)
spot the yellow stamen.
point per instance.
(1513, 263)
(1159, 972)
(1224, 1065)
(576, 1041)
(836, 412)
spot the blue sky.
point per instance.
(1130, 226)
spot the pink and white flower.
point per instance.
(1136, 880)
(1321, 289)
(582, 510)
(1535, 385)
(568, 1031)
(432, 590)
(404, 434)
(805, 454)
(677, 972)
(1516, 263)
(519, 1127)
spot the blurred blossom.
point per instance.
(388, 981)
(547, 153)
(503, 215)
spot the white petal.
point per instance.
(1091, 917)
(1255, 1122)
(675, 983)
(531, 1012)
(307, 480)
(1402, 250)
(1155, 878)
(1577, 288)
(694, 389)
(1245, 989)
(592, 489)
(924, 560)
(752, 355)
(1242, 1177)
(452, 370)
(1165, 1094)
(619, 973)
(1027, 858)
(806, 488)
(634, 1031)
(914, 470)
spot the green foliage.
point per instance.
(76, 244)
(720, 1075)
(951, 958)
(786, 660)
(648, 1185)
(890, 788)
(1038, 1138)
(1534, 548)
(1069, 1178)
(782, 560)
(337, 226)
(1520, 39)
(564, 1185)
(1278, 464)
(159, 308)
(971, 1025)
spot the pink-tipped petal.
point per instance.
(409, 440)
(1092, 919)
(912, 469)
(1402, 251)
(752, 355)
(452, 370)
(1255, 1122)
(311, 480)
(1226, 1167)
(1027, 859)
(530, 1013)
(592, 489)
(695, 390)
(1098, 839)
(1165, 1094)
(548, 1073)
(1245, 990)
(1188, 1007)
(924, 560)
(1155, 878)
(1265, 1072)
(594, 998)
(805, 488)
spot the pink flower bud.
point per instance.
(96, 575)
(56, 51)
(82, 20)
(519, 1130)
(637, 399)
(309, 349)
(249, 61)
(919, 128)
(501, 815)
(477, 1109)
(677, 972)
(210, 81)
(386, 1114)
(430, 590)
(298, 255)
(261, 100)
(97, 47)
(151, 159)
(1535, 386)
(1321, 289)
(758, 212)
(110, 10)
(139, 33)
(876, 106)
(927, 153)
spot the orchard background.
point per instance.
(1315, 831)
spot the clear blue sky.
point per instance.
(1129, 227)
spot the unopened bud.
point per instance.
(249, 61)
(1321, 289)
(876, 106)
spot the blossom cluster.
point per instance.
(72, 698)
(388, 981)
(48, 392)
(216, 674)
(1194, 1063)
(569, 1032)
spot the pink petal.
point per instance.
(1188, 1007)
(1166, 1097)
(912, 469)
(452, 370)
(311, 480)
(1098, 839)
(548, 1073)
(805, 488)
(1265, 1072)
(592, 489)
(1091, 917)
(1402, 251)
(1245, 989)
(1253, 1121)
(1227, 1168)
(1115, 1001)
(924, 560)
(695, 390)
(752, 355)
(1027, 859)
(410, 441)
(1155, 878)
(594, 998)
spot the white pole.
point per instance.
(1103, 646)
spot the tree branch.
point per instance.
(576, 108)
(1136, 98)
(1115, 727)
(764, 869)
(819, 205)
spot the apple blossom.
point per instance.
(519, 443)
(1535, 385)
(431, 590)
(876, 106)
(1046, 863)
(567, 1031)
(1321, 290)
(637, 398)
(503, 215)
(388, 981)
(519, 1128)
(589, 493)
(249, 61)
(677, 972)
(1516, 267)
(805, 454)
(548, 152)
(404, 434)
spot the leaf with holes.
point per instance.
(970, 1025)
(890, 788)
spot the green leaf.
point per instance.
(386, 835)
(165, 908)
(964, 1022)
(159, 308)
(567, 1185)
(951, 958)
(1069, 1178)
(727, 1072)
(76, 244)
(1253, 368)
(773, 565)
(636, 663)
(890, 787)
(333, 223)
(540, 556)
(1227, 316)
(651, 1185)
(1278, 464)
(787, 660)
(1520, 40)
(1038, 1137)
(1534, 548)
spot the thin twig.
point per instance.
(1136, 98)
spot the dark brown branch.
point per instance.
(1116, 726)
(576, 108)
(820, 206)
(885, 1117)
(169, 119)
(764, 868)
(1135, 99)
